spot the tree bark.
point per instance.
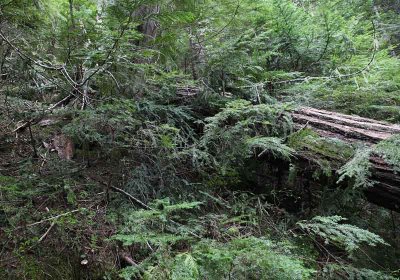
(348, 128)
(351, 129)
(149, 26)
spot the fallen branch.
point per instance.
(47, 232)
(62, 102)
(52, 218)
(132, 198)
(31, 122)
(345, 127)
(128, 259)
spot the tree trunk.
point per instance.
(149, 26)
(351, 129)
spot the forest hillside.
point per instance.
(188, 139)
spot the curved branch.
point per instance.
(61, 68)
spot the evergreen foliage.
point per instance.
(185, 159)
(358, 168)
(344, 235)
(241, 127)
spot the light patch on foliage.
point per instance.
(358, 168)
(272, 145)
(347, 236)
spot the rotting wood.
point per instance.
(345, 127)
(348, 128)
(351, 129)
(64, 146)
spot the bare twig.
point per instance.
(23, 55)
(224, 27)
(31, 122)
(61, 68)
(47, 232)
(53, 218)
(35, 153)
(114, 79)
(110, 52)
(132, 198)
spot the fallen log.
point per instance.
(352, 129)
(348, 128)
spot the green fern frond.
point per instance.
(185, 268)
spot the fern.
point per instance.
(249, 258)
(185, 268)
(154, 225)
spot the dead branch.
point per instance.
(47, 232)
(52, 218)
